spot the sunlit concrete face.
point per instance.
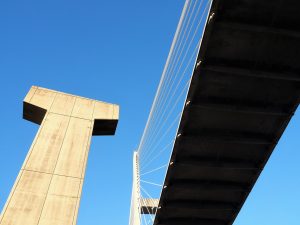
(48, 188)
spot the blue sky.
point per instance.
(112, 51)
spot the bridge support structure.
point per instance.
(139, 205)
(48, 188)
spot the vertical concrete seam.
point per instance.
(88, 141)
(47, 193)
(84, 167)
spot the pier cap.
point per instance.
(39, 101)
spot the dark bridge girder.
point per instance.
(242, 97)
(195, 185)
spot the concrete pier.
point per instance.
(48, 188)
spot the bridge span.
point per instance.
(244, 90)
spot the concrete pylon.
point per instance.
(48, 188)
(139, 205)
(135, 210)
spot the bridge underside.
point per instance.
(242, 97)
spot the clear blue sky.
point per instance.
(112, 51)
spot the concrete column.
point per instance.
(48, 188)
(135, 204)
